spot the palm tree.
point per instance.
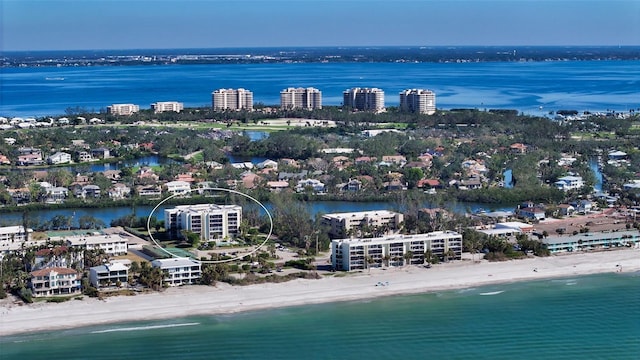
(407, 257)
(428, 256)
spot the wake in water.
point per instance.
(141, 328)
(492, 293)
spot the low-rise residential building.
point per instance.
(179, 271)
(109, 275)
(14, 237)
(112, 244)
(123, 109)
(592, 241)
(532, 212)
(213, 222)
(162, 106)
(395, 250)
(342, 225)
(55, 194)
(54, 282)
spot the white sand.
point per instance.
(195, 300)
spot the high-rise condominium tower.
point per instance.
(232, 99)
(364, 99)
(301, 98)
(418, 100)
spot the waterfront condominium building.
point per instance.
(418, 100)
(162, 106)
(232, 99)
(394, 250)
(213, 222)
(364, 99)
(179, 271)
(301, 98)
(342, 225)
(14, 237)
(123, 109)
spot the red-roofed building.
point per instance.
(54, 282)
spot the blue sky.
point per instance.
(132, 24)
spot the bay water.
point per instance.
(529, 87)
(587, 317)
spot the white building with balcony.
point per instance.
(179, 271)
(341, 225)
(112, 244)
(164, 106)
(123, 109)
(213, 222)
(55, 281)
(394, 250)
(109, 275)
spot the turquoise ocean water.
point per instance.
(589, 317)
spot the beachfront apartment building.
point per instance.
(123, 109)
(418, 100)
(213, 222)
(592, 241)
(14, 237)
(112, 244)
(109, 275)
(394, 250)
(163, 106)
(342, 225)
(57, 281)
(179, 271)
(364, 99)
(301, 98)
(232, 99)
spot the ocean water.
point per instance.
(589, 317)
(530, 87)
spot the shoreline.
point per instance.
(223, 299)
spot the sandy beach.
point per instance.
(222, 299)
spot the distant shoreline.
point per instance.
(226, 299)
(327, 54)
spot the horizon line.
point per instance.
(370, 47)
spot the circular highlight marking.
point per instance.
(239, 257)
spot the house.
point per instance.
(87, 192)
(100, 153)
(277, 186)
(250, 180)
(178, 187)
(30, 159)
(582, 206)
(149, 191)
(394, 185)
(59, 158)
(566, 210)
(353, 185)
(533, 213)
(179, 271)
(119, 191)
(55, 194)
(471, 183)
(113, 175)
(567, 183)
(267, 164)
(518, 148)
(315, 185)
(395, 159)
(4, 160)
(55, 281)
(84, 156)
(109, 275)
